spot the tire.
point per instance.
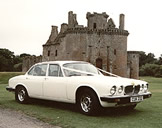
(88, 103)
(21, 95)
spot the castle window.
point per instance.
(56, 53)
(48, 52)
(114, 51)
(94, 26)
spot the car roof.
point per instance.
(61, 62)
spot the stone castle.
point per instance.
(100, 43)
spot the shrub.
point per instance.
(151, 70)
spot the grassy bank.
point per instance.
(4, 76)
(147, 114)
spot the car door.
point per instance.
(35, 79)
(55, 84)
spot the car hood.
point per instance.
(17, 77)
(118, 81)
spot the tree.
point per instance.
(10, 62)
(149, 58)
(151, 70)
(160, 60)
(6, 60)
(24, 55)
(142, 58)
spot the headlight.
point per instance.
(113, 90)
(145, 87)
(142, 87)
(120, 89)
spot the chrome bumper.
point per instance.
(123, 99)
(10, 89)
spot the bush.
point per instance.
(18, 67)
(151, 70)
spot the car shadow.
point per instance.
(118, 112)
(111, 112)
(53, 104)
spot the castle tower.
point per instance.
(119, 49)
(97, 20)
(72, 19)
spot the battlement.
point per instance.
(97, 20)
(108, 31)
(95, 14)
(86, 30)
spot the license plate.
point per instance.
(136, 99)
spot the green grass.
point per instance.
(4, 76)
(147, 114)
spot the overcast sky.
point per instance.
(25, 25)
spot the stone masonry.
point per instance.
(100, 43)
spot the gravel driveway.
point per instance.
(14, 119)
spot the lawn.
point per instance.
(147, 114)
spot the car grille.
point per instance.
(130, 89)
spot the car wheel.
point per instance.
(21, 95)
(88, 102)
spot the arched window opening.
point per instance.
(56, 53)
(94, 26)
(48, 53)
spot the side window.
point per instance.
(40, 70)
(31, 71)
(60, 73)
(54, 70)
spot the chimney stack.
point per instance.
(54, 33)
(121, 22)
(63, 27)
(72, 19)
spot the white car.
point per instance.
(80, 83)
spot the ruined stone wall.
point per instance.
(133, 67)
(30, 61)
(96, 20)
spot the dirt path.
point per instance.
(14, 119)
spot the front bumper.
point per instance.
(123, 99)
(10, 89)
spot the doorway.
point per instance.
(99, 63)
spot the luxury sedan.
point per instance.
(79, 83)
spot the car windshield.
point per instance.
(80, 69)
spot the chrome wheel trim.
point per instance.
(85, 103)
(21, 95)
